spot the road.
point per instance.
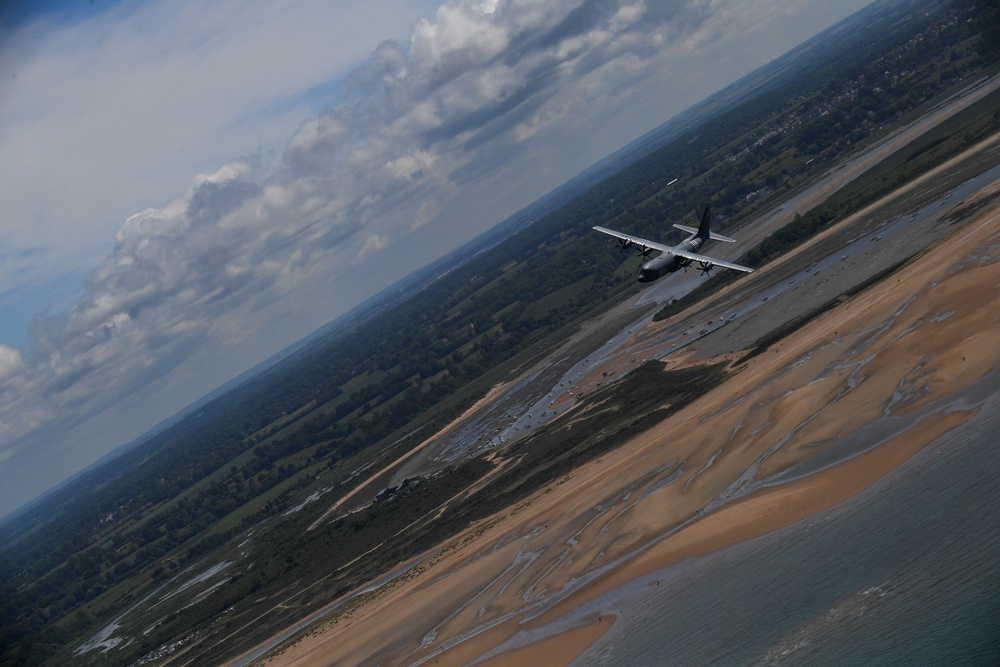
(842, 258)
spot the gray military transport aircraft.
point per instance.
(679, 256)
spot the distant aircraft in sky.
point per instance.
(679, 256)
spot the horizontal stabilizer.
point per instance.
(711, 235)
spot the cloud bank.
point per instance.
(487, 105)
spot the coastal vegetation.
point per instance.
(359, 396)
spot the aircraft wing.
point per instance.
(695, 257)
(646, 243)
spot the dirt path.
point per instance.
(527, 584)
(533, 582)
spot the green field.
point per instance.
(347, 404)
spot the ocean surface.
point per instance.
(906, 573)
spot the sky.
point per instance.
(190, 187)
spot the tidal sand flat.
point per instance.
(648, 545)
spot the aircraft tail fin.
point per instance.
(703, 230)
(706, 219)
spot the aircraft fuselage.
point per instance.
(668, 262)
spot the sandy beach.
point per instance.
(807, 424)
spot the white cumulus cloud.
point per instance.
(487, 105)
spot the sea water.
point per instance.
(906, 573)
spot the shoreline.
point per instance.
(523, 585)
(772, 509)
(526, 586)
